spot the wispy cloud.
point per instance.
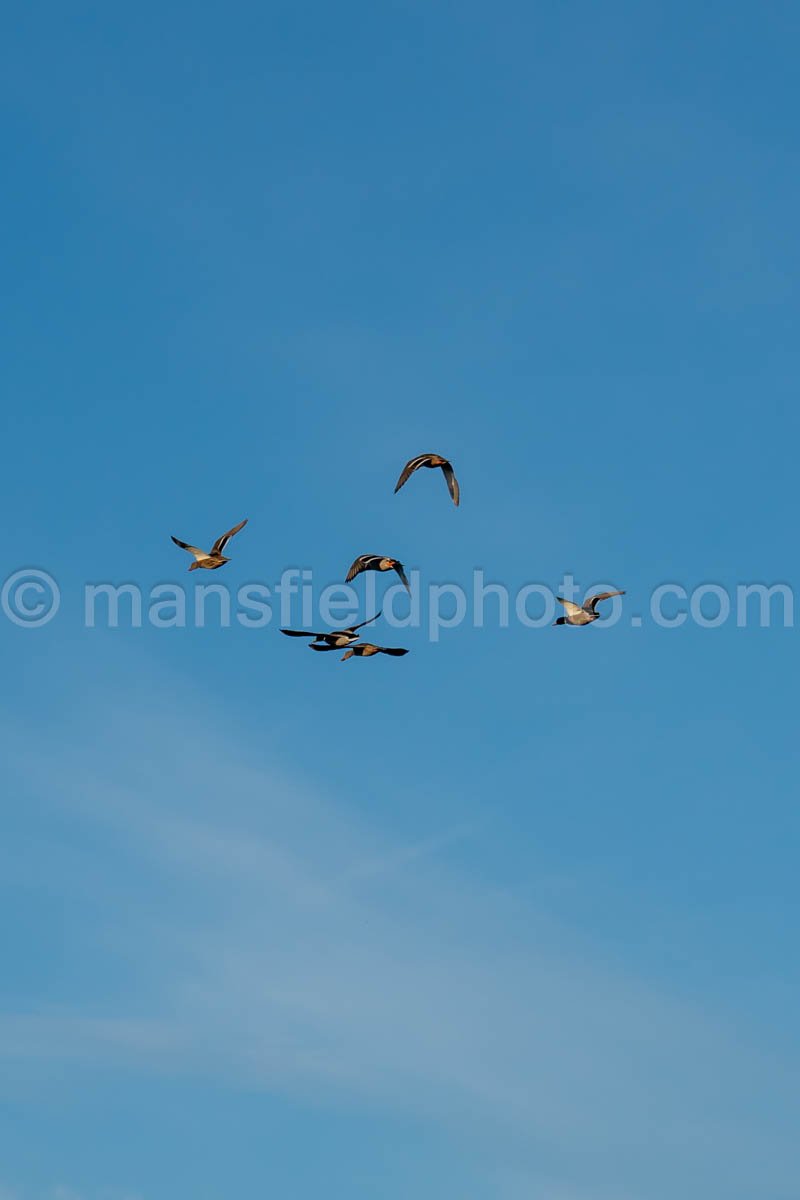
(300, 951)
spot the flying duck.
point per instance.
(367, 649)
(213, 558)
(335, 639)
(583, 614)
(374, 562)
(431, 460)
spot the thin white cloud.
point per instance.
(307, 954)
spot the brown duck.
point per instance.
(431, 460)
(375, 562)
(213, 558)
(583, 614)
(367, 649)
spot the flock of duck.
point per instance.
(348, 639)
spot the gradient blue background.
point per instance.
(514, 917)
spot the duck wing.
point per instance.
(364, 562)
(398, 566)
(192, 549)
(593, 600)
(361, 624)
(411, 466)
(221, 542)
(572, 608)
(452, 482)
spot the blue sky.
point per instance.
(511, 918)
